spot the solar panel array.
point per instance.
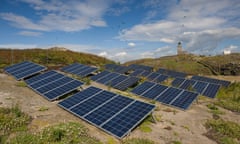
(151, 76)
(113, 113)
(117, 68)
(24, 69)
(171, 73)
(116, 80)
(207, 89)
(140, 67)
(52, 84)
(79, 69)
(212, 80)
(171, 96)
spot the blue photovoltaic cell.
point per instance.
(160, 78)
(187, 84)
(211, 90)
(153, 92)
(40, 77)
(212, 80)
(200, 86)
(87, 72)
(100, 75)
(46, 81)
(69, 67)
(79, 97)
(24, 69)
(79, 69)
(171, 73)
(142, 67)
(16, 66)
(127, 119)
(127, 83)
(152, 76)
(62, 90)
(137, 73)
(107, 80)
(177, 82)
(118, 80)
(142, 88)
(168, 95)
(102, 114)
(145, 73)
(92, 103)
(54, 85)
(184, 100)
(113, 113)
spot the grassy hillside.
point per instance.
(191, 64)
(51, 57)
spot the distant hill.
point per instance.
(196, 65)
(51, 57)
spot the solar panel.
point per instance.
(212, 80)
(111, 108)
(200, 86)
(100, 75)
(92, 103)
(160, 78)
(211, 90)
(79, 69)
(152, 76)
(53, 85)
(169, 95)
(171, 73)
(24, 69)
(69, 67)
(177, 82)
(40, 77)
(126, 120)
(107, 80)
(142, 67)
(79, 97)
(184, 100)
(154, 91)
(118, 80)
(187, 84)
(127, 83)
(113, 113)
(137, 72)
(145, 73)
(142, 87)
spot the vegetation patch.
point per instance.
(146, 125)
(21, 84)
(223, 132)
(229, 98)
(43, 108)
(138, 141)
(214, 109)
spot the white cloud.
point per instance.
(232, 48)
(29, 33)
(200, 25)
(131, 44)
(103, 54)
(59, 15)
(121, 54)
(18, 46)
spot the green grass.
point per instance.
(223, 132)
(138, 141)
(14, 130)
(146, 125)
(21, 84)
(229, 98)
(43, 108)
(64, 133)
(13, 120)
(214, 109)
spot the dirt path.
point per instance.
(174, 125)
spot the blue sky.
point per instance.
(122, 30)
